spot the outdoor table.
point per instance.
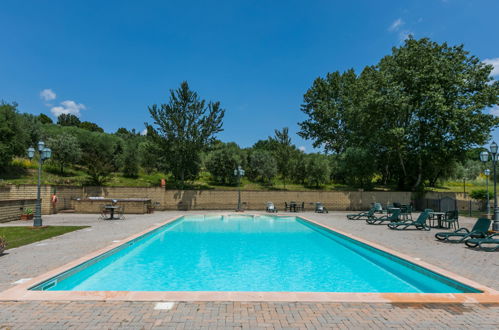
(111, 209)
(292, 206)
(439, 216)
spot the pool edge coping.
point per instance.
(21, 292)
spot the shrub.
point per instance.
(480, 194)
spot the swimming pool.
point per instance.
(249, 253)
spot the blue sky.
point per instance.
(109, 60)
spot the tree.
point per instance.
(317, 170)
(283, 151)
(358, 167)
(299, 167)
(184, 127)
(97, 148)
(131, 161)
(262, 166)
(68, 120)
(32, 128)
(150, 156)
(92, 127)
(222, 162)
(44, 119)
(12, 136)
(419, 110)
(65, 149)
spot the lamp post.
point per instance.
(484, 157)
(45, 153)
(487, 173)
(239, 172)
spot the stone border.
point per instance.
(21, 292)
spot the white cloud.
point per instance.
(48, 95)
(144, 132)
(396, 25)
(495, 63)
(494, 111)
(302, 148)
(67, 107)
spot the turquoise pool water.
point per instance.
(246, 253)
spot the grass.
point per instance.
(19, 236)
(23, 171)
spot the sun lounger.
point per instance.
(361, 215)
(419, 223)
(271, 207)
(489, 243)
(393, 217)
(479, 230)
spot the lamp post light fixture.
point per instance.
(45, 153)
(239, 172)
(484, 157)
(487, 173)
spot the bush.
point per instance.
(262, 166)
(481, 194)
(222, 162)
(317, 170)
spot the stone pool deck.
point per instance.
(37, 258)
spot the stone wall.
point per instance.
(217, 199)
(11, 210)
(252, 200)
(64, 194)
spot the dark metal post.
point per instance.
(239, 192)
(495, 226)
(488, 198)
(37, 221)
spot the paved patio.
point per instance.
(35, 259)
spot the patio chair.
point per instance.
(479, 230)
(320, 208)
(104, 213)
(419, 223)
(271, 208)
(361, 215)
(378, 207)
(286, 207)
(451, 219)
(406, 212)
(489, 243)
(393, 217)
(121, 212)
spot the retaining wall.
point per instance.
(11, 210)
(216, 199)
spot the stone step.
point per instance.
(66, 211)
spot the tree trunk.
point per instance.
(420, 174)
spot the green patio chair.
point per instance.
(479, 230)
(393, 217)
(489, 243)
(451, 219)
(419, 223)
(362, 215)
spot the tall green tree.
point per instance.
(184, 127)
(283, 151)
(44, 119)
(317, 170)
(222, 161)
(13, 140)
(92, 127)
(262, 166)
(65, 149)
(419, 110)
(68, 120)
